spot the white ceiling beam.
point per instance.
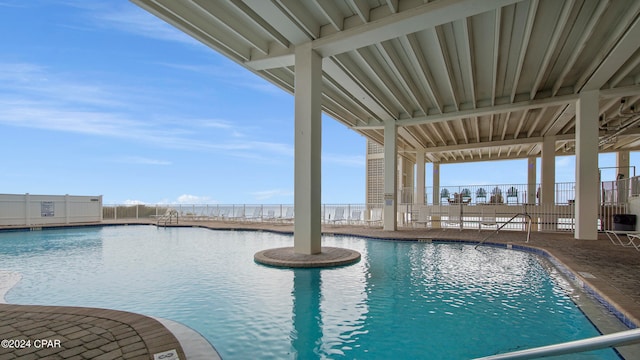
(488, 144)
(361, 8)
(620, 53)
(231, 23)
(406, 22)
(444, 56)
(400, 70)
(468, 47)
(524, 45)
(496, 53)
(582, 42)
(551, 48)
(487, 110)
(301, 17)
(383, 77)
(420, 64)
(260, 22)
(332, 13)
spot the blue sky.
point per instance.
(102, 98)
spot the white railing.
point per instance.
(509, 194)
(470, 200)
(573, 347)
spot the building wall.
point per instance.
(27, 210)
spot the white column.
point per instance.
(420, 177)
(436, 193)
(390, 220)
(531, 180)
(622, 164)
(548, 182)
(307, 186)
(587, 112)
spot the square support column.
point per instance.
(435, 219)
(390, 221)
(548, 183)
(531, 180)
(420, 177)
(307, 167)
(587, 202)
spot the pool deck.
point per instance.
(612, 272)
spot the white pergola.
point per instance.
(440, 81)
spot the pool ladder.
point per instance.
(529, 221)
(167, 218)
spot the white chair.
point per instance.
(355, 217)
(488, 217)
(454, 217)
(338, 216)
(375, 218)
(424, 216)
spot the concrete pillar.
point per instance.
(420, 177)
(531, 180)
(548, 182)
(307, 144)
(435, 219)
(622, 164)
(587, 113)
(390, 210)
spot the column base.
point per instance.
(287, 257)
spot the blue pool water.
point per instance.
(403, 300)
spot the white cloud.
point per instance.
(194, 199)
(269, 194)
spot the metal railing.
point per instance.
(529, 220)
(595, 343)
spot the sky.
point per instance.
(103, 98)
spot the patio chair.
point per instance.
(512, 193)
(338, 216)
(634, 240)
(488, 217)
(444, 194)
(424, 216)
(289, 216)
(632, 237)
(256, 215)
(355, 217)
(454, 217)
(237, 215)
(375, 218)
(481, 193)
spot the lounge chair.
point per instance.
(338, 216)
(256, 215)
(632, 237)
(355, 217)
(289, 216)
(375, 218)
(453, 216)
(634, 240)
(488, 217)
(424, 216)
(237, 215)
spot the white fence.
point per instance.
(459, 207)
(30, 210)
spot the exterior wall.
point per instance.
(30, 210)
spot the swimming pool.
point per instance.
(402, 300)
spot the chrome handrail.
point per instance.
(530, 220)
(594, 343)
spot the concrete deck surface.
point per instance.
(85, 333)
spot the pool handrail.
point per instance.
(529, 221)
(626, 337)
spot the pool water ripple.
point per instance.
(403, 300)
